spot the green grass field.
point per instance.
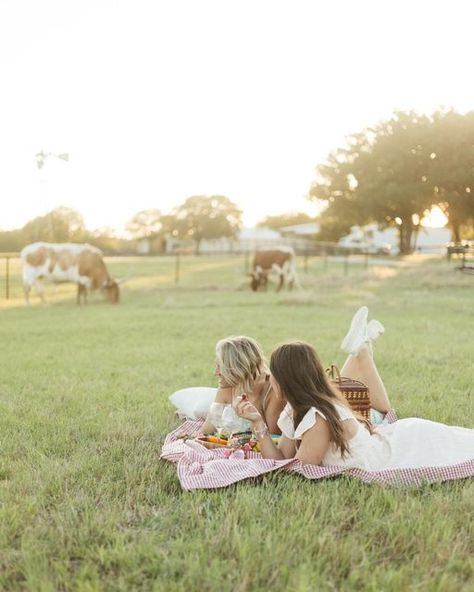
(86, 504)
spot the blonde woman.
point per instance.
(241, 368)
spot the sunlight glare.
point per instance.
(434, 218)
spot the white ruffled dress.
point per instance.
(407, 443)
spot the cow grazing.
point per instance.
(81, 264)
(282, 260)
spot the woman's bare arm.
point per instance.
(273, 411)
(286, 447)
(314, 443)
(268, 448)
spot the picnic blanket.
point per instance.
(201, 468)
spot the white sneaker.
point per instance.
(357, 334)
(374, 329)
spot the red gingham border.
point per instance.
(201, 468)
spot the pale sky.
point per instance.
(158, 100)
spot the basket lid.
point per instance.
(350, 384)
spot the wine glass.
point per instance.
(231, 421)
(216, 412)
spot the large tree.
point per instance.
(145, 224)
(289, 219)
(11, 241)
(206, 216)
(152, 225)
(395, 171)
(451, 171)
(60, 225)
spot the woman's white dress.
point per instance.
(406, 443)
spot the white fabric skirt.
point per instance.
(418, 442)
(405, 444)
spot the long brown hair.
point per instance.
(303, 382)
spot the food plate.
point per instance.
(208, 444)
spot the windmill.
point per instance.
(42, 156)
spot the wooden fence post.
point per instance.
(176, 269)
(246, 262)
(7, 284)
(346, 264)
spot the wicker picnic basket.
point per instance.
(356, 392)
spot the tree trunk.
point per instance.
(405, 234)
(416, 232)
(198, 244)
(455, 229)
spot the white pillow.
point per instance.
(194, 402)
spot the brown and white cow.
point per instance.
(81, 264)
(282, 260)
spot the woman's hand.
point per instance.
(245, 409)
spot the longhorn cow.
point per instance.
(81, 264)
(282, 260)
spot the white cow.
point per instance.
(81, 264)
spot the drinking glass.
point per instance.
(231, 421)
(216, 417)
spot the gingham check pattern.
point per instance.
(201, 468)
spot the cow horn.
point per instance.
(129, 274)
(122, 280)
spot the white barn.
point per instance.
(429, 240)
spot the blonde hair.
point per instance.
(240, 360)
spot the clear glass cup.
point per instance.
(231, 421)
(215, 416)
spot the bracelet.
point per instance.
(260, 433)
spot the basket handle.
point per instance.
(333, 373)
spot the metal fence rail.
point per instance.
(181, 265)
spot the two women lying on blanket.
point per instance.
(317, 424)
(241, 368)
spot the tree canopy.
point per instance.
(145, 224)
(61, 225)
(395, 171)
(199, 217)
(206, 216)
(289, 219)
